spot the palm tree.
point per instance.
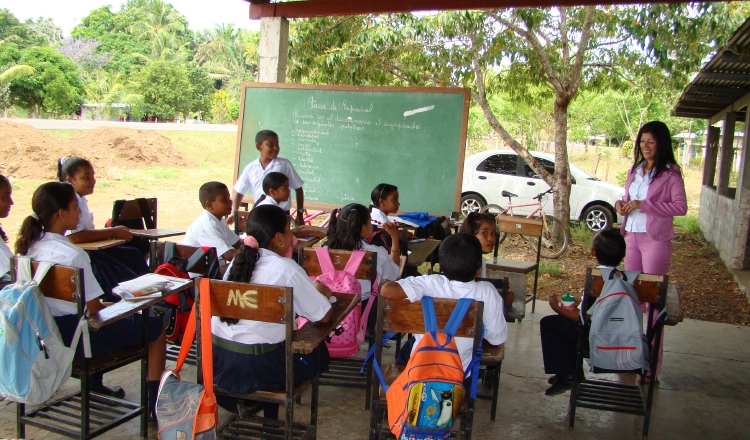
(158, 17)
(225, 54)
(6, 77)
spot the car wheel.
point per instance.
(471, 202)
(598, 218)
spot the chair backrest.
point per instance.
(404, 316)
(156, 256)
(61, 282)
(367, 270)
(650, 288)
(518, 225)
(135, 214)
(500, 284)
(240, 221)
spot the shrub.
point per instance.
(622, 177)
(626, 149)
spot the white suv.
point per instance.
(489, 173)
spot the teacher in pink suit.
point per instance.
(654, 195)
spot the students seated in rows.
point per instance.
(267, 144)
(111, 266)
(484, 227)
(460, 258)
(560, 332)
(349, 228)
(259, 261)
(275, 190)
(6, 201)
(384, 198)
(54, 211)
(210, 228)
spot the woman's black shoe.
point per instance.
(561, 384)
(551, 380)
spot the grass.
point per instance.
(688, 225)
(552, 269)
(581, 234)
(63, 134)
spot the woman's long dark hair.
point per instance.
(345, 229)
(664, 154)
(69, 166)
(47, 201)
(4, 182)
(381, 191)
(474, 221)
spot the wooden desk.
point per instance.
(99, 245)
(421, 251)
(492, 353)
(126, 308)
(155, 234)
(313, 333)
(316, 232)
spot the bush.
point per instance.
(626, 149)
(622, 177)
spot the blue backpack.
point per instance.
(34, 361)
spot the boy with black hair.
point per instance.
(560, 332)
(210, 228)
(460, 257)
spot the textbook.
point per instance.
(397, 220)
(144, 287)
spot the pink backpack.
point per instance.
(351, 331)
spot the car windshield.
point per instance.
(581, 173)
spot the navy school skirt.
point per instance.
(241, 373)
(115, 265)
(112, 337)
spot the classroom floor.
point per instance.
(703, 393)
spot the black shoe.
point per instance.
(551, 380)
(562, 383)
(116, 392)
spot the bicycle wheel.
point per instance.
(496, 210)
(551, 247)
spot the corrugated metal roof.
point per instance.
(722, 81)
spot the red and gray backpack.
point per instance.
(175, 309)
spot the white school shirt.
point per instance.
(378, 217)
(5, 255)
(85, 219)
(57, 249)
(386, 268)
(636, 221)
(268, 201)
(207, 230)
(253, 174)
(272, 269)
(438, 286)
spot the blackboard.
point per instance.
(344, 140)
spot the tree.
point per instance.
(45, 29)
(229, 54)
(561, 50)
(83, 52)
(13, 31)
(6, 77)
(171, 89)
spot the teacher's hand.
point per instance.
(620, 207)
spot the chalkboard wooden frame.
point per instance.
(460, 148)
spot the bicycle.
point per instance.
(551, 247)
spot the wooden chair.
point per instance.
(135, 214)
(614, 396)
(271, 304)
(403, 316)
(517, 270)
(240, 221)
(343, 372)
(85, 414)
(492, 358)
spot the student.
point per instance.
(384, 198)
(484, 227)
(275, 190)
(460, 257)
(210, 228)
(111, 266)
(349, 228)
(259, 261)
(54, 211)
(6, 201)
(267, 143)
(560, 332)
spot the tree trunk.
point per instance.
(561, 179)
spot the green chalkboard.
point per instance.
(344, 140)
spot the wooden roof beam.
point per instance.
(724, 76)
(726, 91)
(705, 98)
(326, 8)
(731, 57)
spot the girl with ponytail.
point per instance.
(248, 355)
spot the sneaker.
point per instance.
(561, 384)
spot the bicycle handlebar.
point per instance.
(540, 195)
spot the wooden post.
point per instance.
(709, 165)
(727, 153)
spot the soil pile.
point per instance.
(26, 152)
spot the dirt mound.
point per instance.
(26, 152)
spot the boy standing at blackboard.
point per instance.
(267, 143)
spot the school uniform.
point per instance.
(386, 268)
(5, 255)
(57, 249)
(253, 174)
(207, 230)
(249, 355)
(268, 201)
(439, 286)
(113, 265)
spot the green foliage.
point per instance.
(234, 110)
(551, 269)
(220, 107)
(56, 85)
(688, 225)
(165, 89)
(622, 178)
(626, 149)
(13, 31)
(581, 235)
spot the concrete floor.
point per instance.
(703, 392)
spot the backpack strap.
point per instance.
(82, 329)
(324, 259)
(23, 270)
(428, 311)
(354, 261)
(451, 327)
(212, 263)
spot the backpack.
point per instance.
(616, 339)
(424, 400)
(33, 358)
(351, 331)
(174, 310)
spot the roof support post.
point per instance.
(710, 154)
(726, 154)
(273, 49)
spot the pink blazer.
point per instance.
(665, 199)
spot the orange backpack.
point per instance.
(424, 401)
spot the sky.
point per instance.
(201, 14)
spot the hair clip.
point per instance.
(250, 241)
